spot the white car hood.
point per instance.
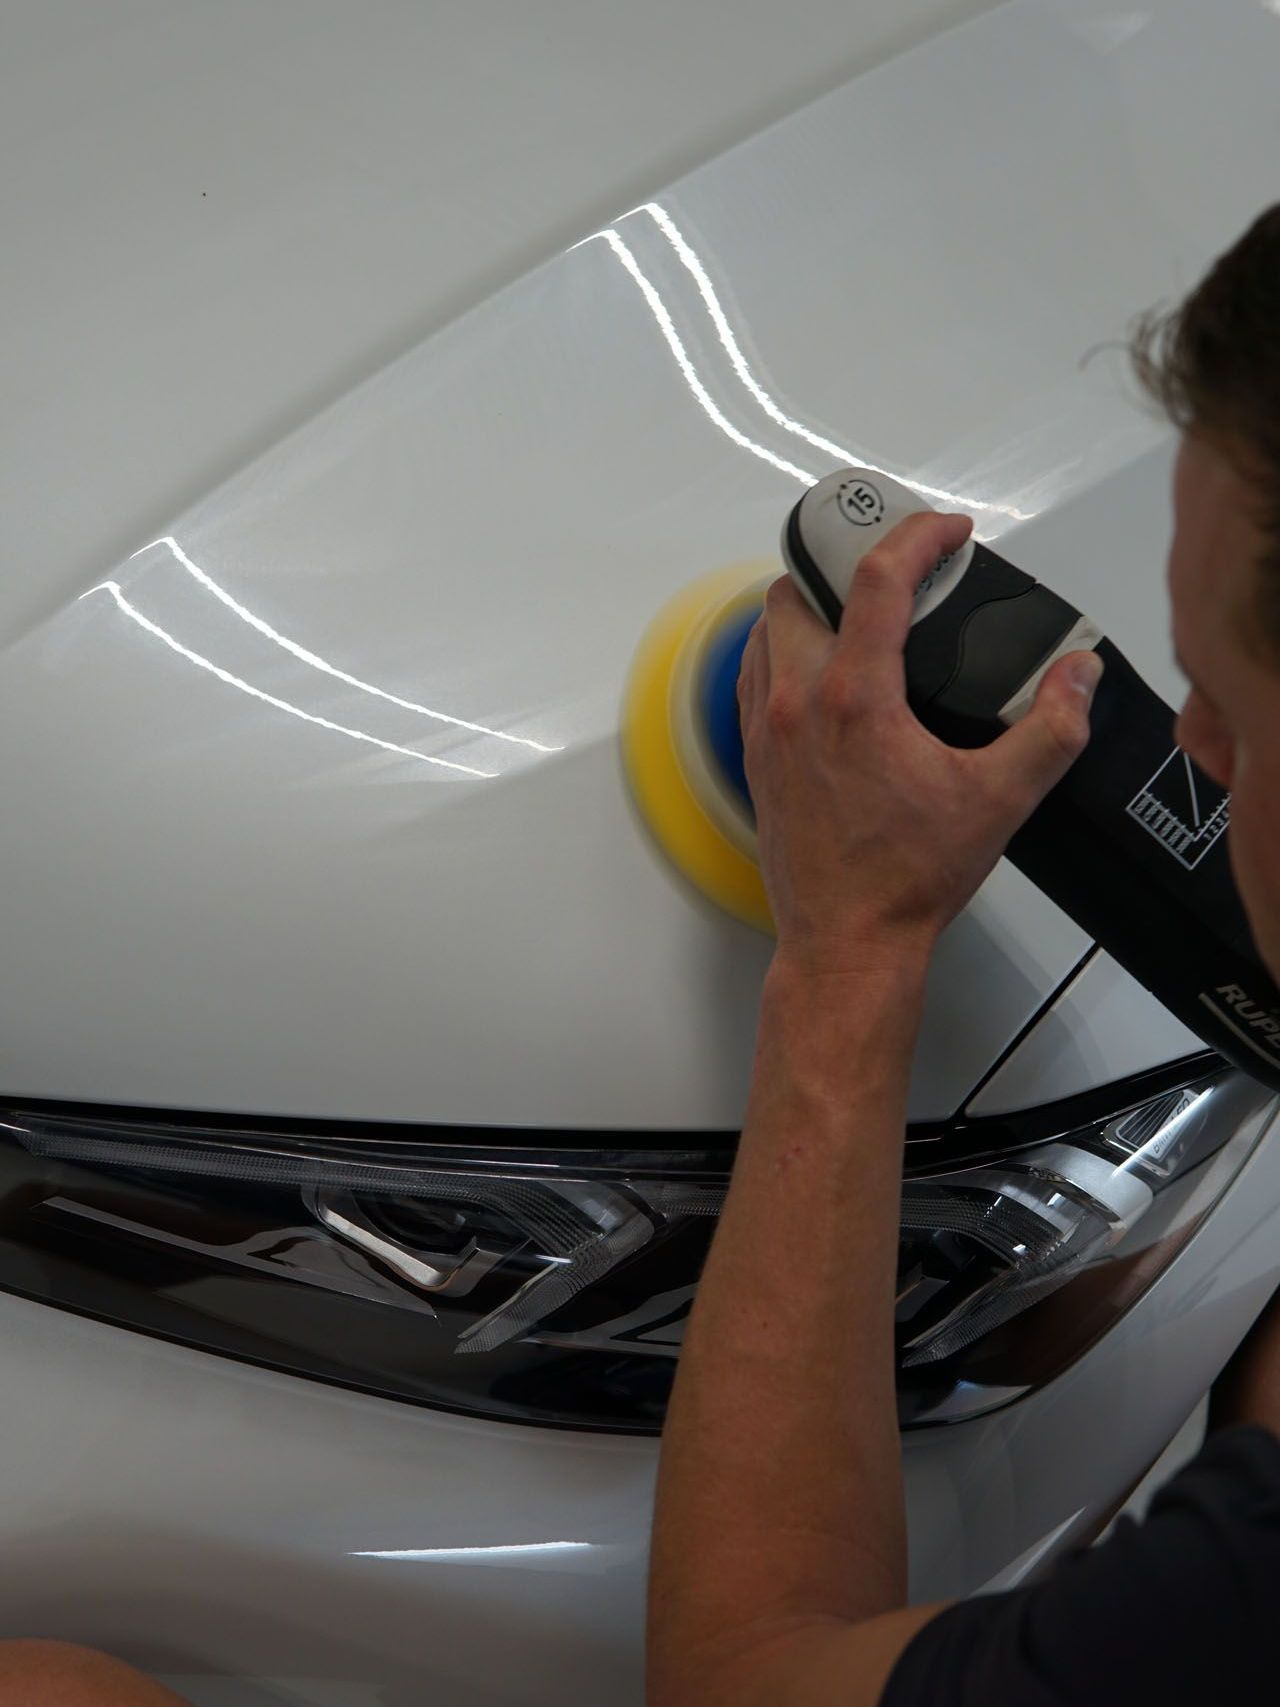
(313, 799)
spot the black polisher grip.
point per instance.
(935, 645)
(1130, 844)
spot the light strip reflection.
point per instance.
(666, 326)
(144, 622)
(517, 1549)
(689, 258)
(693, 265)
(1162, 1139)
(316, 662)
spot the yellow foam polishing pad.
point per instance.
(658, 744)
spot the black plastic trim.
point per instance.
(802, 562)
(934, 1142)
(963, 1142)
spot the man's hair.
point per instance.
(1213, 366)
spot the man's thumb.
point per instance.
(1041, 748)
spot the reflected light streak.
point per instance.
(143, 622)
(693, 266)
(316, 662)
(1160, 1140)
(658, 308)
(511, 1550)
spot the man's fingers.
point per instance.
(797, 638)
(789, 644)
(877, 614)
(753, 673)
(1040, 749)
(873, 630)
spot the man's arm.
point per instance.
(63, 1674)
(779, 1524)
(1248, 1389)
(779, 1554)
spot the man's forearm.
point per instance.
(1248, 1389)
(780, 1494)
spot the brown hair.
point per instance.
(1213, 366)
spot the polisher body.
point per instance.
(1132, 843)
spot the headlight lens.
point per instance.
(552, 1286)
(1009, 1270)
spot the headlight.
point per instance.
(552, 1285)
(1008, 1271)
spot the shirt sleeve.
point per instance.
(1183, 1608)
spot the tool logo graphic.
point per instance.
(1182, 809)
(860, 502)
(1263, 1034)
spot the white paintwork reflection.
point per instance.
(840, 454)
(1039, 1553)
(514, 1550)
(724, 331)
(661, 313)
(576, 1556)
(233, 681)
(322, 664)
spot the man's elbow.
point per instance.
(741, 1670)
(819, 1662)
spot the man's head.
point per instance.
(1214, 365)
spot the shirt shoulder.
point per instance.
(1179, 1608)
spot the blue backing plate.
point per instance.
(718, 698)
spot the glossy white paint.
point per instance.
(219, 218)
(324, 770)
(1101, 1027)
(274, 1541)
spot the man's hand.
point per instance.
(874, 834)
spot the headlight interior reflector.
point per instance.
(551, 1285)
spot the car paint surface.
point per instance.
(324, 769)
(213, 901)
